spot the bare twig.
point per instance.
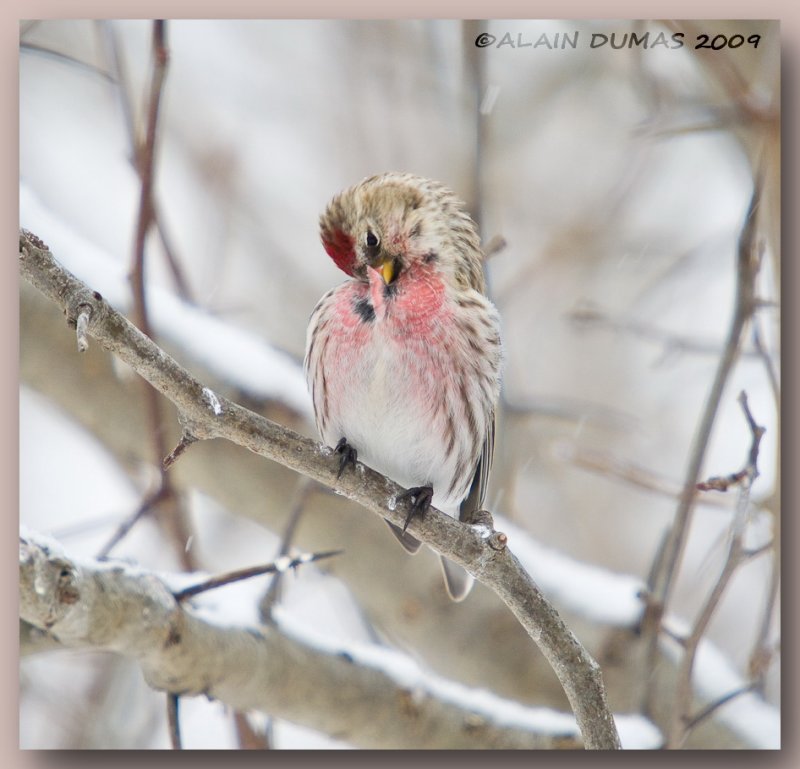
(187, 439)
(759, 662)
(279, 566)
(766, 358)
(248, 737)
(570, 410)
(682, 722)
(272, 593)
(721, 482)
(759, 551)
(145, 158)
(173, 720)
(763, 651)
(124, 90)
(712, 708)
(629, 472)
(666, 568)
(34, 48)
(119, 78)
(494, 246)
(673, 344)
(498, 569)
(167, 501)
(475, 68)
(147, 504)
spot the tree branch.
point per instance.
(476, 549)
(97, 605)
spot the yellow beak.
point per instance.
(387, 271)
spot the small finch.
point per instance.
(403, 358)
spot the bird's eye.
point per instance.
(372, 239)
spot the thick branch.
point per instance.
(205, 418)
(101, 605)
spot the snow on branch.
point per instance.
(218, 346)
(480, 550)
(366, 695)
(592, 592)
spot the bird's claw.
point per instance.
(348, 455)
(420, 497)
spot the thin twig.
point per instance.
(759, 551)
(122, 82)
(41, 50)
(721, 482)
(145, 158)
(170, 509)
(282, 564)
(709, 710)
(680, 725)
(673, 344)
(248, 737)
(682, 722)
(272, 592)
(762, 653)
(146, 505)
(475, 66)
(609, 466)
(570, 410)
(759, 663)
(669, 559)
(173, 721)
(187, 439)
(494, 246)
(766, 358)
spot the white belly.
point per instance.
(387, 416)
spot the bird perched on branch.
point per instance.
(403, 358)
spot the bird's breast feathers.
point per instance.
(399, 377)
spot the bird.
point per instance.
(403, 359)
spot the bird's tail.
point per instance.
(457, 580)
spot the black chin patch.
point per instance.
(364, 310)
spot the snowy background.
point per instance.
(619, 180)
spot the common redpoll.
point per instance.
(403, 359)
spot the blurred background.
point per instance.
(611, 186)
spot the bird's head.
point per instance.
(401, 225)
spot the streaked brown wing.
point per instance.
(480, 481)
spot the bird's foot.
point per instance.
(420, 497)
(347, 455)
